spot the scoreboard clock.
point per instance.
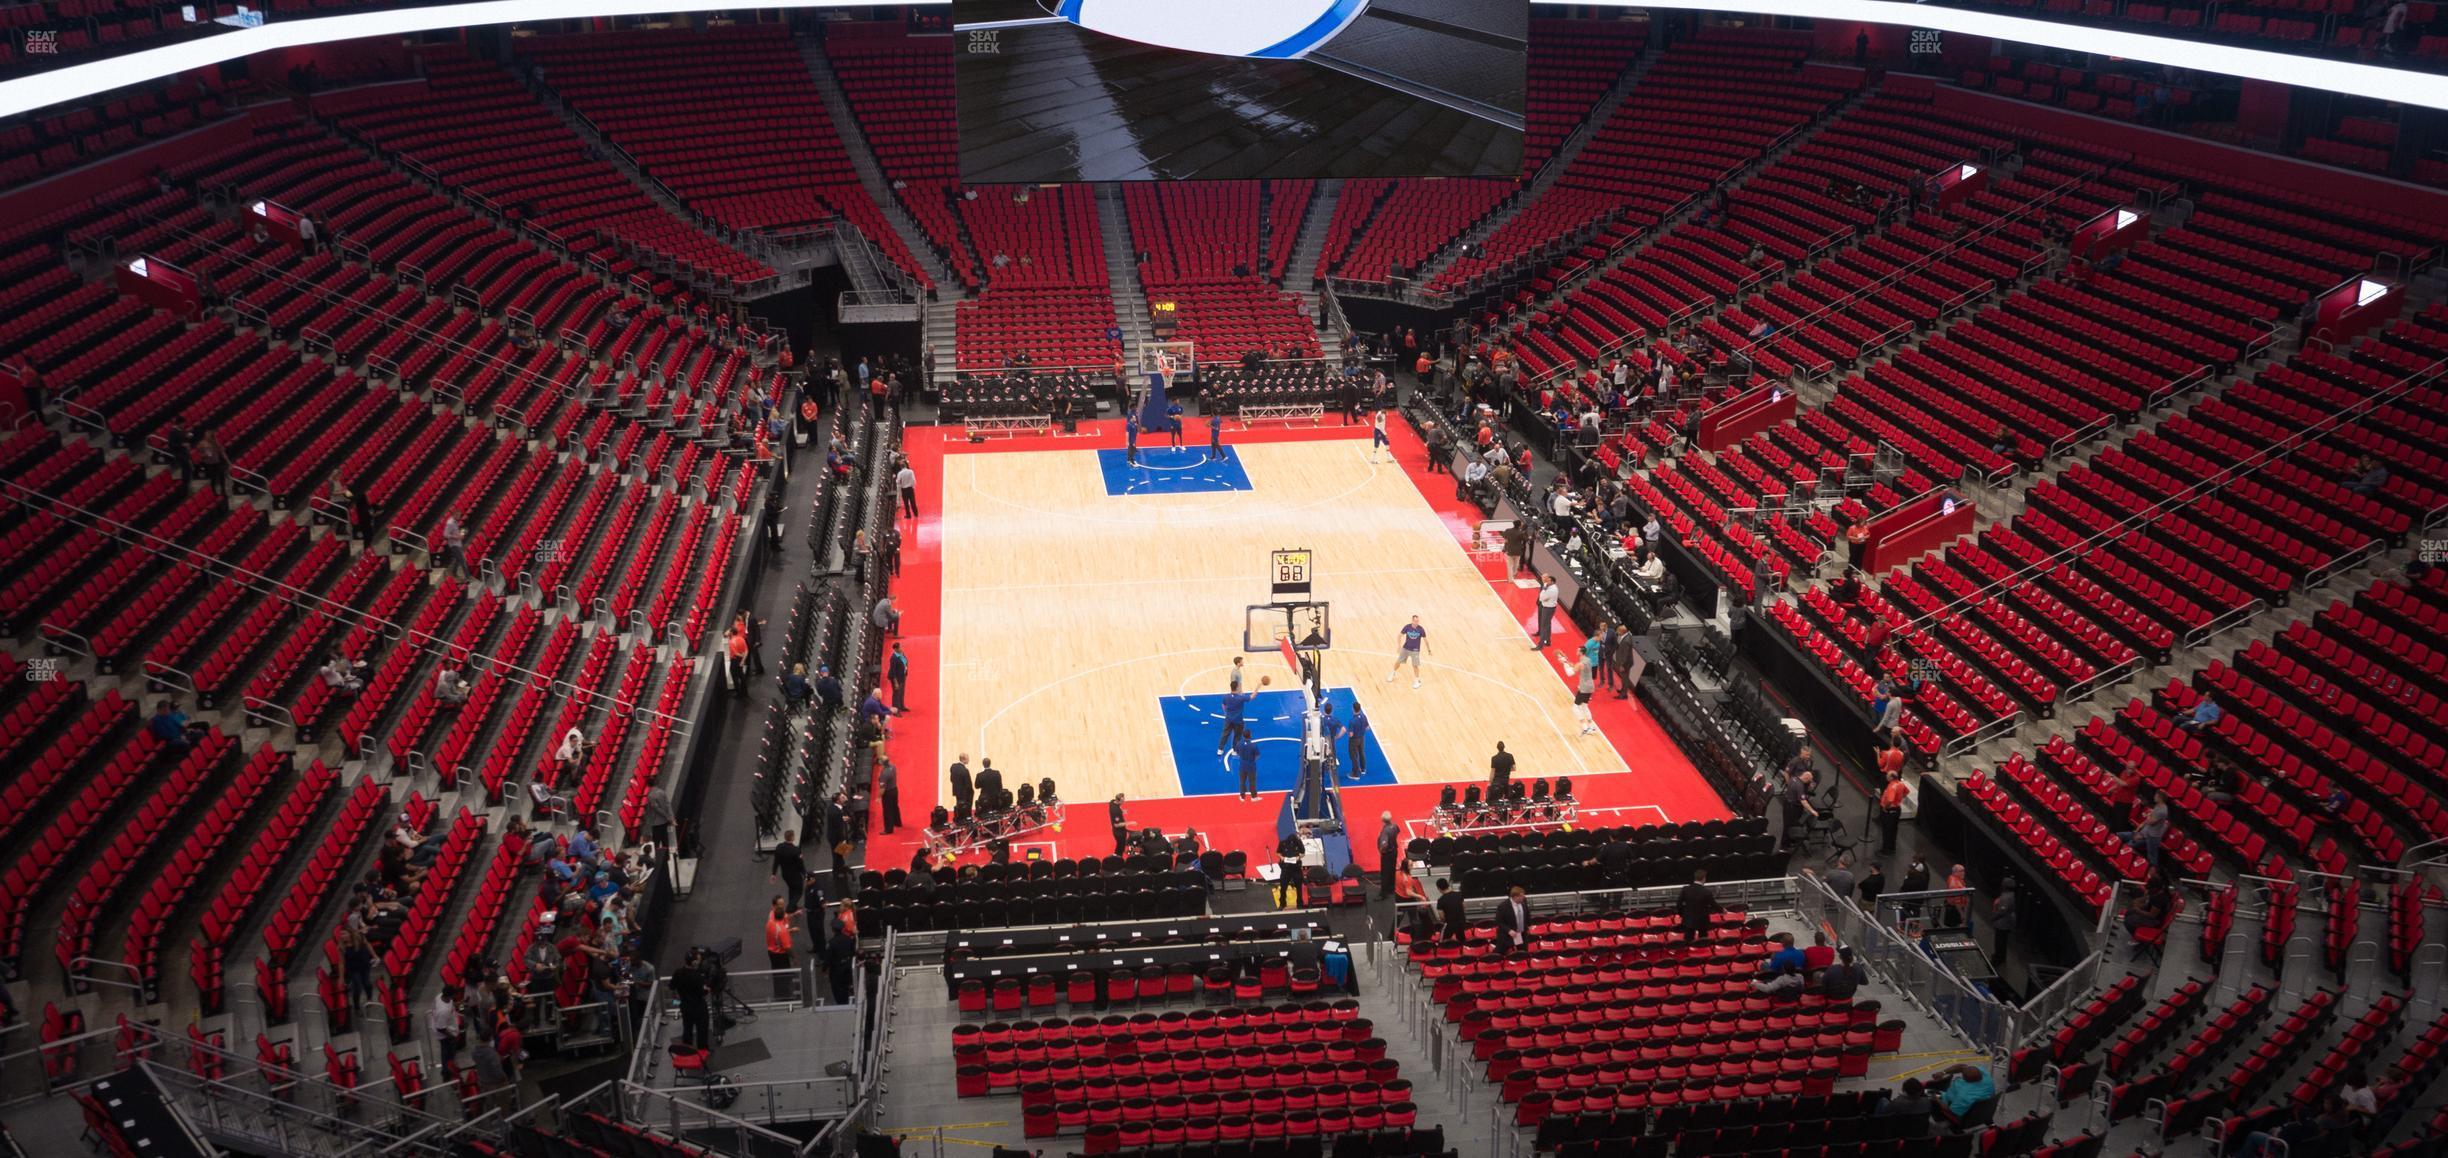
(1288, 571)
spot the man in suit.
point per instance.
(1513, 922)
(1389, 853)
(888, 791)
(1121, 827)
(837, 819)
(962, 791)
(989, 783)
(1449, 907)
(1698, 906)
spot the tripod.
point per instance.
(730, 1010)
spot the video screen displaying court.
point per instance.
(1121, 90)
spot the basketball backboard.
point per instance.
(1307, 625)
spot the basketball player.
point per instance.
(1130, 438)
(1414, 641)
(1356, 738)
(1582, 691)
(1377, 437)
(1215, 436)
(1236, 707)
(1245, 762)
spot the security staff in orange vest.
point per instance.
(778, 927)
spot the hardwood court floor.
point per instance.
(1067, 613)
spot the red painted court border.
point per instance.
(1661, 777)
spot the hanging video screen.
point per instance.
(1125, 90)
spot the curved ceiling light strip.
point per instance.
(28, 93)
(2343, 76)
(92, 78)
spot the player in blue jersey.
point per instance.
(1236, 710)
(1245, 761)
(1355, 738)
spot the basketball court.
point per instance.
(1069, 613)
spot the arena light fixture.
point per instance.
(92, 78)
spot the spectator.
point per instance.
(442, 1019)
(2150, 825)
(569, 755)
(886, 618)
(2152, 908)
(1841, 979)
(1449, 908)
(659, 817)
(1698, 906)
(2206, 714)
(357, 963)
(1967, 1088)
(873, 707)
(361, 514)
(1916, 880)
(454, 543)
(1819, 956)
(583, 849)
(2301, 1135)
(1779, 983)
(1911, 1103)
(171, 726)
(1783, 955)
(341, 676)
(450, 688)
(492, 1078)
(211, 462)
(2370, 476)
(2355, 1092)
(797, 692)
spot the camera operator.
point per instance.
(693, 983)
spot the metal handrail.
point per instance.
(2195, 489)
(513, 370)
(1934, 257)
(297, 597)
